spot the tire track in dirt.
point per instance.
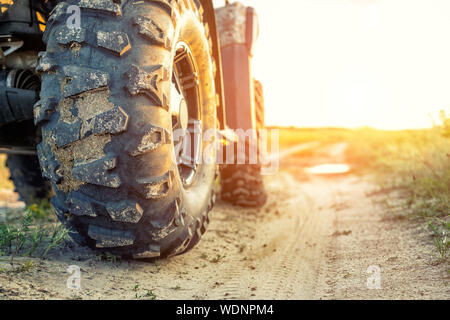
(281, 281)
(298, 273)
(241, 280)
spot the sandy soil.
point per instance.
(317, 238)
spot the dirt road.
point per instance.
(319, 237)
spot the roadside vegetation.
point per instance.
(26, 232)
(411, 168)
(30, 233)
(417, 171)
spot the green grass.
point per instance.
(148, 294)
(31, 234)
(418, 168)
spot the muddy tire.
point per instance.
(26, 175)
(107, 124)
(242, 185)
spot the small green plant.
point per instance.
(440, 231)
(29, 236)
(106, 256)
(150, 295)
(58, 235)
(136, 289)
(442, 245)
(27, 266)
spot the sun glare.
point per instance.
(348, 63)
(327, 169)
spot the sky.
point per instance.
(353, 63)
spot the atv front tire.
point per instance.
(107, 119)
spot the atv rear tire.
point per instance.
(26, 175)
(242, 185)
(107, 124)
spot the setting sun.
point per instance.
(350, 63)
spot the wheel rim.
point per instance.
(185, 111)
